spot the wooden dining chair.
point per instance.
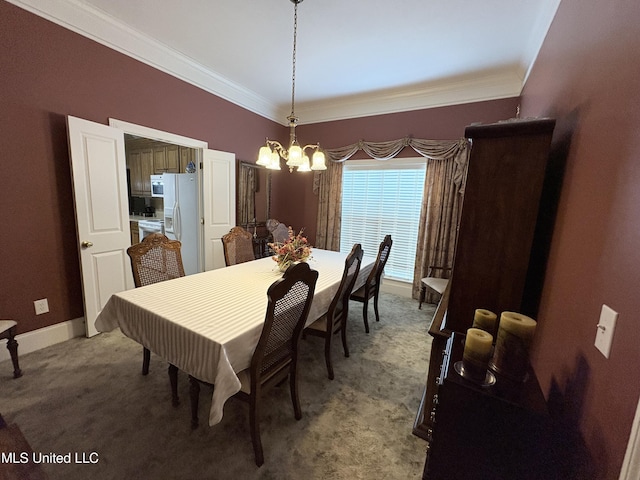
(154, 260)
(437, 282)
(335, 320)
(238, 246)
(8, 332)
(276, 355)
(371, 287)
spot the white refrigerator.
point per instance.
(181, 216)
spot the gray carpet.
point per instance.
(87, 395)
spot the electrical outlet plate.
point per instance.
(41, 306)
(606, 326)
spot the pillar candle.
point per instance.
(477, 353)
(485, 320)
(519, 326)
(511, 356)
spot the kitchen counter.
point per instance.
(137, 218)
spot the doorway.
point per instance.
(216, 187)
(154, 152)
(98, 161)
(148, 163)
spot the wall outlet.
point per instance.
(606, 326)
(41, 306)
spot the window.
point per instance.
(383, 198)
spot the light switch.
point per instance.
(606, 326)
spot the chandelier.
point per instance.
(295, 157)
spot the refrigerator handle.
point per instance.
(177, 222)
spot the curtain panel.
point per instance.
(441, 205)
(247, 180)
(329, 207)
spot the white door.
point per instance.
(219, 203)
(99, 174)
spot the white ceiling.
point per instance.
(354, 57)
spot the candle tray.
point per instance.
(489, 378)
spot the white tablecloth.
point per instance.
(208, 324)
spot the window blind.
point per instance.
(383, 198)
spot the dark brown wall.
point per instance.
(46, 73)
(445, 123)
(587, 76)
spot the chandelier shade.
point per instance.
(295, 156)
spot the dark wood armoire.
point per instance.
(492, 268)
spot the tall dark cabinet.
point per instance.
(504, 185)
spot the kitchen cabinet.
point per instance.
(499, 245)
(147, 157)
(166, 160)
(140, 164)
(186, 155)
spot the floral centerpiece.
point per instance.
(295, 249)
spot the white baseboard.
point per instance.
(45, 337)
(396, 287)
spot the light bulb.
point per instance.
(264, 156)
(295, 155)
(274, 161)
(304, 166)
(318, 161)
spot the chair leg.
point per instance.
(375, 306)
(365, 309)
(293, 383)
(423, 292)
(12, 346)
(173, 380)
(343, 334)
(146, 359)
(254, 425)
(194, 392)
(327, 353)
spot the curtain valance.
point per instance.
(431, 149)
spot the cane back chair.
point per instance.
(154, 260)
(276, 355)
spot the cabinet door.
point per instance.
(146, 170)
(172, 160)
(504, 185)
(159, 160)
(135, 170)
(186, 156)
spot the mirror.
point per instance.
(253, 196)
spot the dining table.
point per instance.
(208, 324)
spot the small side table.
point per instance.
(8, 331)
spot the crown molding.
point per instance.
(92, 23)
(472, 88)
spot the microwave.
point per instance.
(157, 186)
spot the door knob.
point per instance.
(86, 244)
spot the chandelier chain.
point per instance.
(295, 156)
(293, 74)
